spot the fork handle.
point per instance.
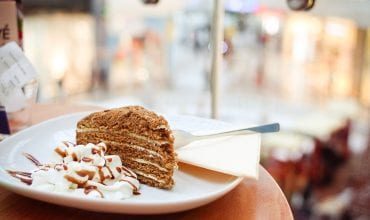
(267, 128)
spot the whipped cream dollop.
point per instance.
(83, 170)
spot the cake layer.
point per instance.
(155, 168)
(144, 179)
(129, 138)
(157, 157)
(115, 141)
(155, 137)
(151, 175)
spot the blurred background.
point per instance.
(308, 70)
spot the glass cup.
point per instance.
(21, 119)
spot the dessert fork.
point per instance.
(183, 138)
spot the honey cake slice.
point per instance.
(142, 139)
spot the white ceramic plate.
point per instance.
(194, 186)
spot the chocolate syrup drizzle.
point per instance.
(89, 189)
(32, 159)
(22, 176)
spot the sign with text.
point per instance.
(8, 22)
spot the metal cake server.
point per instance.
(183, 138)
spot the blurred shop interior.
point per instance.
(308, 70)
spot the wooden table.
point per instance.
(252, 199)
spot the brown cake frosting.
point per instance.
(141, 138)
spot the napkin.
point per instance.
(237, 155)
(15, 72)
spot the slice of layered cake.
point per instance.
(141, 138)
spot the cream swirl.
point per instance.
(84, 169)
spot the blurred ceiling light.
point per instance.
(301, 5)
(299, 22)
(225, 47)
(271, 24)
(241, 6)
(335, 29)
(234, 5)
(142, 74)
(300, 47)
(151, 2)
(123, 10)
(59, 65)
